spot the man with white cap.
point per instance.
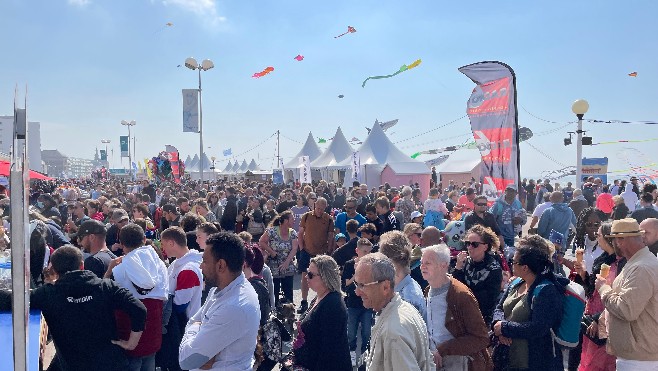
(632, 301)
(141, 272)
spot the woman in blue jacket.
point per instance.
(524, 318)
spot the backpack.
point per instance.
(573, 308)
(274, 334)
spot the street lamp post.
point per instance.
(205, 65)
(130, 158)
(579, 107)
(107, 155)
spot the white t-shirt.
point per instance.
(592, 251)
(541, 208)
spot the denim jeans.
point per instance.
(354, 317)
(146, 363)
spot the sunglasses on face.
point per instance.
(484, 204)
(311, 275)
(473, 243)
(590, 224)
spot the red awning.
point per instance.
(4, 171)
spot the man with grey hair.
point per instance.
(632, 300)
(399, 337)
(463, 340)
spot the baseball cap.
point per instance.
(119, 215)
(91, 227)
(512, 187)
(416, 214)
(339, 236)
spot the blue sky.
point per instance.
(91, 63)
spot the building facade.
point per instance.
(61, 166)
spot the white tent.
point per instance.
(309, 149)
(235, 168)
(228, 168)
(243, 167)
(253, 166)
(461, 166)
(338, 151)
(377, 154)
(193, 164)
(195, 172)
(187, 161)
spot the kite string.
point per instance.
(429, 131)
(543, 154)
(539, 118)
(292, 140)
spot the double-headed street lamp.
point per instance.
(580, 108)
(205, 65)
(130, 158)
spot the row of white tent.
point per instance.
(237, 168)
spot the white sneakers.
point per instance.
(353, 357)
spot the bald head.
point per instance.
(556, 197)
(430, 236)
(650, 228)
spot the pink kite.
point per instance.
(299, 57)
(350, 29)
(263, 72)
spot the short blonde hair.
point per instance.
(328, 272)
(618, 200)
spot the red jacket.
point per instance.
(151, 339)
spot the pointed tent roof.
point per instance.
(206, 162)
(243, 167)
(187, 161)
(193, 164)
(235, 168)
(309, 149)
(253, 166)
(338, 151)
(377, 149)
(228, 168)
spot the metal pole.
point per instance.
(20, 240)
(200, 132)
(130, 158)
(579, 153)
(278, 147)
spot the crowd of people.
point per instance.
(200, 276)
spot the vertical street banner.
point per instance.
(356, 165)
(172, 154)
(190, 110)
(305, 170)
(596, 167)
(494, 123)
(123, 143)
(103, 155)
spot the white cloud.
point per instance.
(79, 2)
(204, 8)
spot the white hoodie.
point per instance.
(143, 268)
(630, 197)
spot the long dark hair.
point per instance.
(581, 227)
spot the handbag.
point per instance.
(454, 363)
(500, 357)
(255, 228)
(584, 324)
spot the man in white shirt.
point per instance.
(222, 334)
(540, 210)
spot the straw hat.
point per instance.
(625, 228)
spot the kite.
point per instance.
(633, 74)
(384, 125)
(524, 134)
(341, 96)
(350, 29)
(263, 72)
(322, 140)
(168, 24)
(299, 58)
(402, 69)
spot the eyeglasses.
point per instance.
(590, 224)
(484, 204)
(311, 275)
(313, 198)
(473, 243)
(516, 263)
(360, 286)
